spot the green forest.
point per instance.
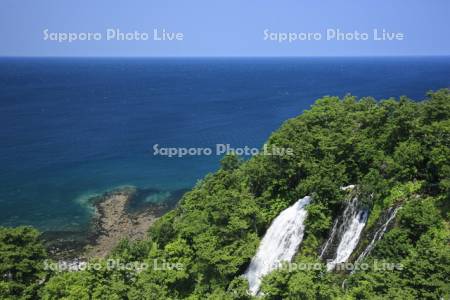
(396, 151)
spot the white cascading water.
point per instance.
(279, 244)
(349, 210)
(352, 232)
(330, 239)
(378, 234)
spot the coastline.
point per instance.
(116, 217)
(113, 222)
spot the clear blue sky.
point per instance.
(224, 28)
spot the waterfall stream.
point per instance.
(349, 239)
(279, 244)
(391, 213)
(330, 239)
(347, 234)
(283, 237)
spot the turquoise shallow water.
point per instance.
(74, 128)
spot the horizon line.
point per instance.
(228, 57)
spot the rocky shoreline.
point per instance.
(113, 222)
(116, 218)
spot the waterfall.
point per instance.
(330, 239)
(338, 226)
(349, 239)
(391, 213)
(279, 244)
(352, 223)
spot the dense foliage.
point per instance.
(21, 263)
(396, 151)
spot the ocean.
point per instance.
(73, 128)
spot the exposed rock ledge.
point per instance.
(117, 216)
(113, 222)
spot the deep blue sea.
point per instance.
(74, 128)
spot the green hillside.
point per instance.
(397, 152)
